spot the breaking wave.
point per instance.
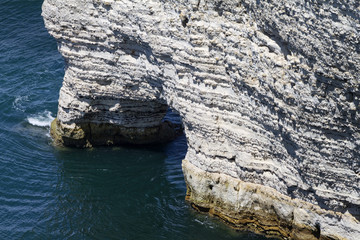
(43, 119)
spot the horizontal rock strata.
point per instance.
(249, 206)
(268, 92)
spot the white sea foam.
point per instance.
(19, 102)
(42, 119)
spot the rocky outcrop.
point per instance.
(268, 92)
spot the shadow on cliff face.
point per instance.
(133, 46)
(172, 125)
(173, 120)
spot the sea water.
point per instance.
(61, 193)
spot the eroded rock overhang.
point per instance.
(268, 92)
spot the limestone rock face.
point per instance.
(268, 92)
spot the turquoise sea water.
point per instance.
(103, 193)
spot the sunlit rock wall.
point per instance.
(268, 92)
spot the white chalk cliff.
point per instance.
(268, 92)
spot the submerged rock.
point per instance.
(268, 92)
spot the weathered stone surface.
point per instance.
(268, 92)
(262, 209)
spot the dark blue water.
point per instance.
(102, 193)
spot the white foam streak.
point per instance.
(43, 119)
